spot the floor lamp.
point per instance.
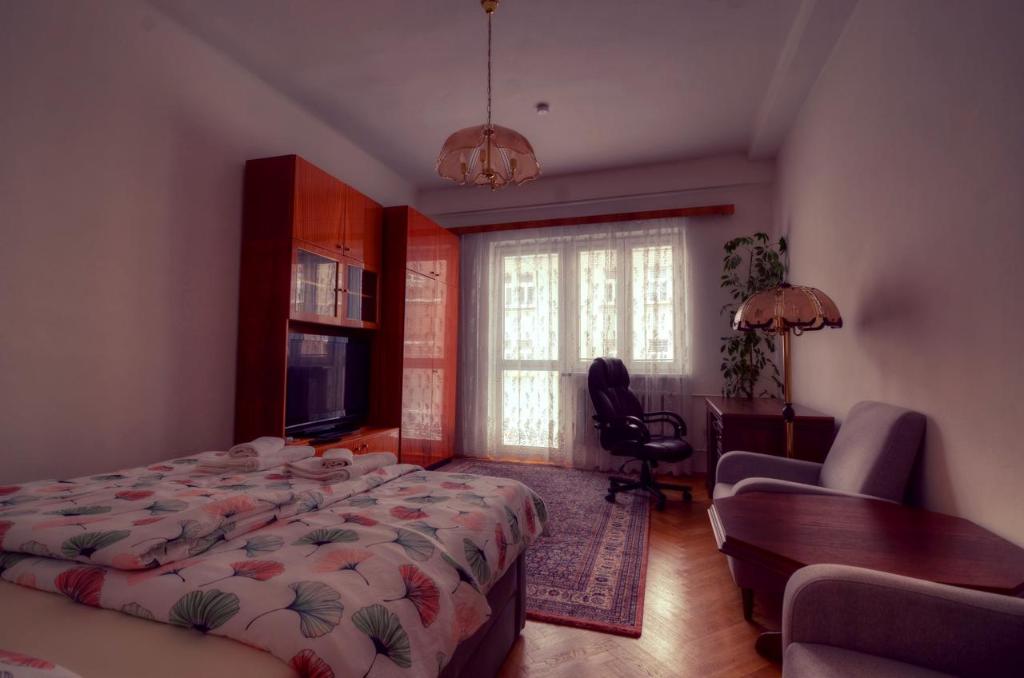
(784, 310)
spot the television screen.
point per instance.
(328, 383)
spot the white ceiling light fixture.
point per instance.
(488, 154)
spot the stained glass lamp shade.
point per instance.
(788, 307)
(785, 309)
(464, 157)
(488, 154)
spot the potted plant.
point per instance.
(751, 264)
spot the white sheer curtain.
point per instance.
(538, 306)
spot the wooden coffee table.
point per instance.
(784, 532)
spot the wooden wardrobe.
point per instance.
(311, 261)
(418, 338)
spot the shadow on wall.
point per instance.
(887, 307)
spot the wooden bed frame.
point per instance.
(483, 653)
(90, 641)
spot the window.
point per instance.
(648, 323)
(623, 290)
(652, 307)
(530, 310)
(598, 273)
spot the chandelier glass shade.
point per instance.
(492, 156)
(488, 154)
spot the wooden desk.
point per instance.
(756, 425)
(784, 532)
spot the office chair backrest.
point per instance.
(608, 383)
(875, 450)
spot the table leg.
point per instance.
(769, 646)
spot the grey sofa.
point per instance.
(871, 457)
(840, 621)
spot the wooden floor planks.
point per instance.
(693, 624)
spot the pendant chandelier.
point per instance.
(488, 154)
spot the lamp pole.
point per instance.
(788, 415)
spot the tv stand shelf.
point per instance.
(361, 441)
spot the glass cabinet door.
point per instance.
(360, 293)
(315, 288)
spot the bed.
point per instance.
(402, 572)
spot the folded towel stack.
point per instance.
(262, 446)
(266, 457)
(337, 458)
(315, 468)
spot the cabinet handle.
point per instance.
(347, 249)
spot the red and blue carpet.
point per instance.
(590, 571)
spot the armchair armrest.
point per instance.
(668, 418)
(736, 466)
(944, 628)
(789, 487)
(631, 428)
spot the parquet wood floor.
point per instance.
(693, 620)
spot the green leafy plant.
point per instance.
(751, 264)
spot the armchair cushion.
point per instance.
(736, 466)
(809, 660)
(874, 450)
(937, 627)
(790, 487)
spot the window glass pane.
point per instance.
(529, 408)
(598, 272)
(653, 321)
(530, 307)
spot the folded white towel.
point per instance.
(313, 469)
(313, 465)
(375, 460)
(336, 476)
(336, 458)
(225, 464)
(262, 446)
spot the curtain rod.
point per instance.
(704, 211)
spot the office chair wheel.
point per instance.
(661, 503)
(610, 498)
(687, 496)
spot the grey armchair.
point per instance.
(840, 621)
(871, 457)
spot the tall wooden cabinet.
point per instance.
(311, 259)
(418, 340)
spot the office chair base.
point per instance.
(648, 484)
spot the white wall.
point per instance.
(749, 185)
(902, 188)
(124, 140)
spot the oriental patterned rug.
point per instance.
(590, 571)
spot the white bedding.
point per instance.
(96, 643)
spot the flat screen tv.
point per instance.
(328, 384)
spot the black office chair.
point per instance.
(623, 424)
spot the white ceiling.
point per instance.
(629, 81)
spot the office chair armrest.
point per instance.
(669, 418)
(624, 426)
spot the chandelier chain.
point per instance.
(489, 70)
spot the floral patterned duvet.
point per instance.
(379, 576)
